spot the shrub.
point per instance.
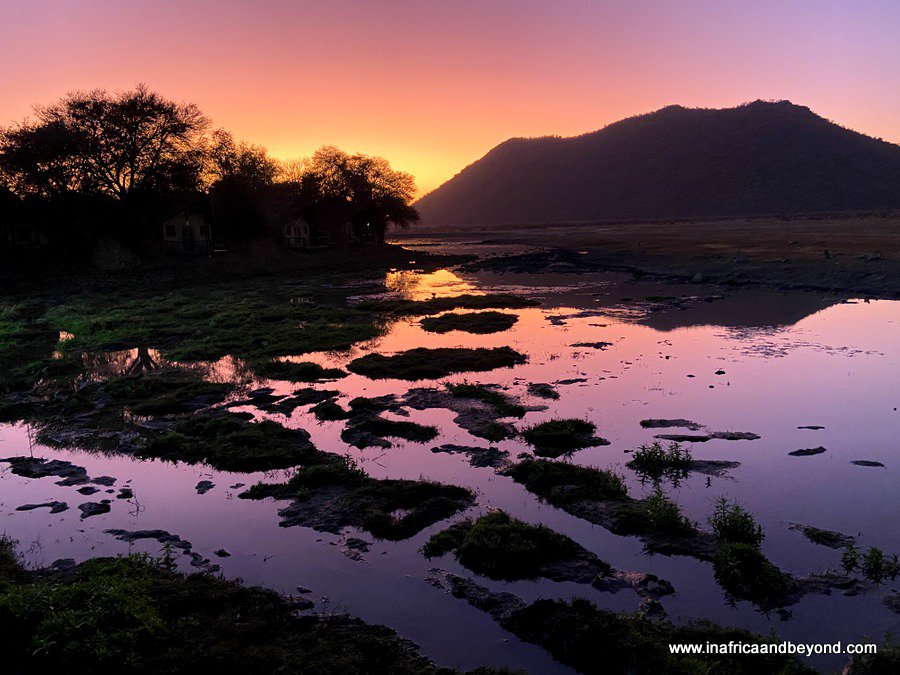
(735, 525)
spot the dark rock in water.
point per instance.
(55, 507)
(89, 509)
(593, 345)
(125, 493)
(499, 605)
(357, 544)
(478, 457)
(866, 462)
(222, 553)
(204, 486)
(892, 602)
(807, 452)
(104, 480)
(261, 392)
(670, 423)
(572, 380)
(88, 490)
(161, 536)
(303, 590)
(814, 427)
(301, 604)
(31, 467)
(543, 390)
(720, 372)
(651, 608)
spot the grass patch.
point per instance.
(337, 494)
(304, 371)
(229, 443)
(655, 461)
(167, 392)
(746, 574)
(501, 547)
(596, 641)
(423, 363)
(504, 405)
(375, 427)
(735, 525)
(556, 437)
(560, 483)
(328, 411)
(436, 305)
(478, 323)
(134, 614)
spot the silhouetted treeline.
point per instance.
(100, 167)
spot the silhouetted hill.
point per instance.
(759, 158)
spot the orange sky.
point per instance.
(434, 85)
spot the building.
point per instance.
(296, 233)
(188, 231)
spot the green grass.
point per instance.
(746, 574)
(655, 461)
(422, 363)
(560, 483)
(478, 323)
(597, 641)
(304, 371)
(559, 436)
(501, 547)
(335, 494)
(229, 443)
(135, 615)
(503, 404)
(735, 525)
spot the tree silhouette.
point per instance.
(107, 144)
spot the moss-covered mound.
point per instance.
(330, 496)
(134, 615)
(501, 547)
(478, 323)
(426, 364)
(558, 437)
(231, 443)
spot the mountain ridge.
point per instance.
(759, 158)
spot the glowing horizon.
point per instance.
(433, 87)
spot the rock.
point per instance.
(807, 452)
(892, 602)
(222, 553)
(651, 608)
(303, 590)
(125, 493)
(204, 486)
(104, 480)
(358, 544)
(301, 604)
(89, 509)
(88, 490)
(867, 462)
(543, 390)
(814, 427)
(31, 467)
(55, 507)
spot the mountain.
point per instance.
(759, 158)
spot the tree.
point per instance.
(106, 144)
(376, 193)
(240, 163)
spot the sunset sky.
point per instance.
(434, 85)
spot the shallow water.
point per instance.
(789, 360)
